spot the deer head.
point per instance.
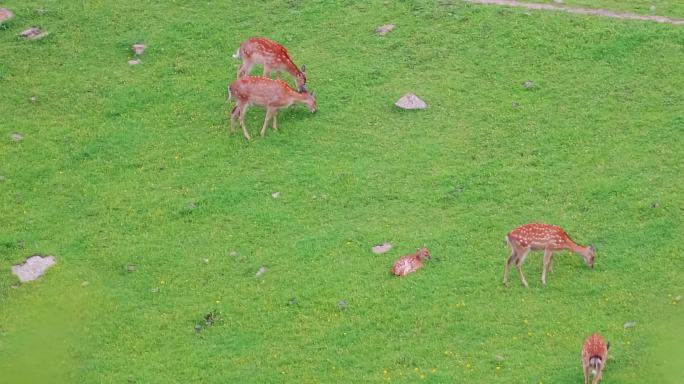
(589, 255)
(424, 253)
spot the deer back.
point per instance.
(538, 236)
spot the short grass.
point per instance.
(114, 155)
(671, 8)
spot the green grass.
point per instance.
(113, 154)
(671, 8)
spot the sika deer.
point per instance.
(410, 263)
(594, 356)
(268, 93)
(273, 56)
(550, 238)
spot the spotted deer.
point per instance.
(550, 238)
(272, 56)
(410, 263)
(594, 356)
(264, 92)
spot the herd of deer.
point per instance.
(276, 94)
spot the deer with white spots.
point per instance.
(550, 239)
(272, 56)
(594, 356)
(410, 263)
(264, 92)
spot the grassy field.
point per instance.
(671, 8)
(158, 217)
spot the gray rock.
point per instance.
(528, 84)
(33, 268)
(16, 136)
(410, 101)
(381, 248)
(261, 271)
(34, 33)
(138, 49)
(385, 29)
(134, 62)
(630, 324)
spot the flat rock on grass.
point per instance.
(385, 29)
(411, 101)
(138, 49)
(381, 248)
(16, 136)
(33, 268)
(5, 14)
(133, 62)
(34, 33)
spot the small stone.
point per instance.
(130, 268)
(85, 283)
(198, 328)
(154, 290)
(5, 14)
(261, 271)
(232, 253)
(654, 204)
(275, 195)
(34, 33)
(40, 11)
(528, 84)
(292, 301)
(138, 49)
(191, 206)
(206, 261)
(33, 268)
(499, 358)
(16, 136)
(678, 298)
(381, 248)
(385, 29)
(410, 101)
(515, 105)
(630, 324)
(133, 62)
(33, 99)
(342, 305)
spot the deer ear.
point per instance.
(313, 95)
(608, 345)
(303, 68)
(302, 89)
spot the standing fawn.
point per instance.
(594, 355)
(534, 237)
(264, 92)
(273, 56)
(410, 263)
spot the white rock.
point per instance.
(33, 268)
(381, 248)
(385, 29)
(410, 101)
(138, 49)
(133, 62)
(34, 33)
(261, 271)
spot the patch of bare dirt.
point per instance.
(581, 11)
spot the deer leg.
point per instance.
(267, 71)
(509, 262)
(586, 374)
(275, 125)
(233, 116)
(597, 376)
(269, 114)
(242, 111)
(245, 68)
(548, 254)
(518, 265)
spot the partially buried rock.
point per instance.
(385, 29)
(410, 101)
(138, 49)
(261, 271)
(133, 62)
(34, 33)
(381, 248)
(5, 14)
(630, 324)
(528, 84)
(33, 268)
(16, 136)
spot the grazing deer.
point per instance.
(273, 56)
(268, 93)
(550, 238)
(594, 356)
(410, 263)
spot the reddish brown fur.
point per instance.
(410, 263)
(594, 357)
(273, 57)
(550, 238)
(268, 93)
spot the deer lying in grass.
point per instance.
(594, 356)
(410, 263)
(273, 56)
(264, 92)
(550, 238)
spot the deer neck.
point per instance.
(576, 248)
